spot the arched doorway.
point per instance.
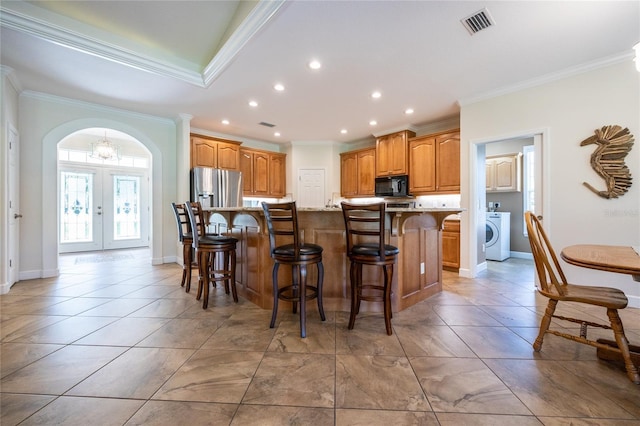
(103, 191)
(49, 222)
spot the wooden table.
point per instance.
(620, 259)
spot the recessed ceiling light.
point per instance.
(253, 104)
(225, 121)
(276, 134)
(408, 111)
(279, 87)
(373, 123)
(376, 95)
(343, 131)
(315, 64)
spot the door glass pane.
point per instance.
(76, 209)
(126, 205)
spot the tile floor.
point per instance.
(115, 341)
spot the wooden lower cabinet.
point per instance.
(417, 273)
(451, 245)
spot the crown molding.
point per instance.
(10, 74)
(96, 107)
(255, 20)
(549, 78)
(48, 31)
(394, 130)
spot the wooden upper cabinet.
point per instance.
(434, 164)
(392, 153)
(349, 174)
(277, 175)
(357, 173)
(228, 156)
(204, 153)
(263, 173)
(215, 153)
(422, 160)
(246, 168)
(503, 173)
(366, 164)
(448, 162)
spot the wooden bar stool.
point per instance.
(286, 248)
(186, 238)
(365, 233)
(206, 247)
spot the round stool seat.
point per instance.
(289, 250)
(217, 239)
(373, 249)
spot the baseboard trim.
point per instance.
(521, 255)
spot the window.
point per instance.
(528, 182)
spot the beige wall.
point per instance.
(44, 121)
(566, 111)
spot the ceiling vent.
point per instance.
(265, 124)
(478, 21)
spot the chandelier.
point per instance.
(104, 149)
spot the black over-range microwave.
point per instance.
(392, 186)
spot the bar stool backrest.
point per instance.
(196, 220)
(365, 224)
(282, 223)
(182, 220)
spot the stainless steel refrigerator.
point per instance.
(216, 187)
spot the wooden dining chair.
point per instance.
(554, 286)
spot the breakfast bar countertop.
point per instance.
(451, 210)
(417, 232)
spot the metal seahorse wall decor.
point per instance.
(613, 145)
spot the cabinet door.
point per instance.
(451, 244)
(348, 174)
(505, 174)
(277, 175)
(383, 156)
(203, 153)
(260, 173)
(246, 167)
(398, 152)
(448, 162)
(228, 156)
(422, 155)
(490, 173)
(366, 165)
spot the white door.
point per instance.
(125, 215)
(311, 188)
(102, 208)
(13, 243)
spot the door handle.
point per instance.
(99, 213)
(17, 216)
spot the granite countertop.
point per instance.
(453, 210)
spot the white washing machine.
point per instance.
(498, 242)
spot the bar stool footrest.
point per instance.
(286, 293)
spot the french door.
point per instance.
(102, 208)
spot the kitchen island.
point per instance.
(415, 231)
